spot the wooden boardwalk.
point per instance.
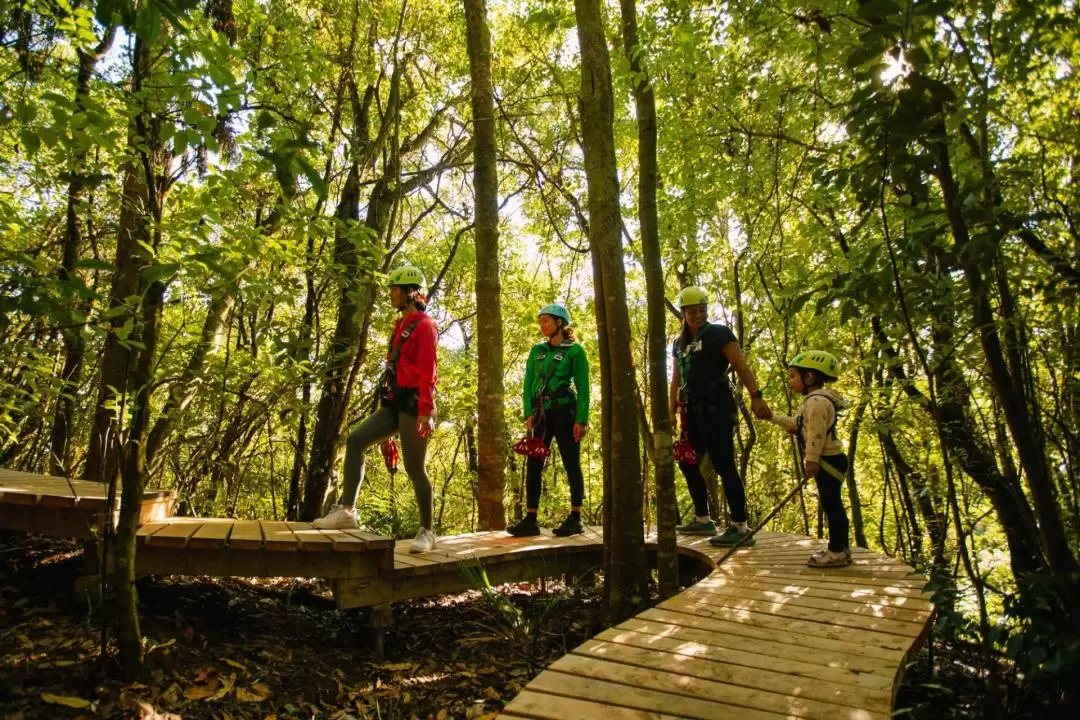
(66, 508)
(762, 636)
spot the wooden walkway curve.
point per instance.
(762, 636)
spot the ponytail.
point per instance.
(685, 336)
(568, 333)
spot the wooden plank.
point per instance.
(278, 537)
(765, 648)
(564, 685)
(246, 535)
(212, 534)
(175, 532)
(681, 603)
(311, 538)
(256, 563)
(750, 654)
(373, 541)
(844, 651)
(796, 574)
(548, 707)
(787, 610)
(851, 606)
(913, 603)
(902, 596)
(719, 692)
(344, 542)
(767, 680)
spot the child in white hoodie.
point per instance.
(823, 454)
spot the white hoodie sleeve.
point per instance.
(818, 414)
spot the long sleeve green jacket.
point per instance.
(553, 368)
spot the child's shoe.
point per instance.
(826, 558)
(425, 541)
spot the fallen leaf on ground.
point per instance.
(259, 691)
(66, 700)
(227, 684)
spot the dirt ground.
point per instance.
(275, 649)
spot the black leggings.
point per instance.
(717, 440)
(830, 493)
(559, 424)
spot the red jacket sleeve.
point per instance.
(426, 336)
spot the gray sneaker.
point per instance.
(695, 527)
(732, 536)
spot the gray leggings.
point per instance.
(379, 426)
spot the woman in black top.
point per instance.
(703, 353)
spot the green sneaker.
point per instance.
(732, 536)
(697, 528)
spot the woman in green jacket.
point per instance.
(555, 411)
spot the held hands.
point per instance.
(811, 469)
(579, 431)
(761, 408)
(425, 425)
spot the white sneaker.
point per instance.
(339, 518)
(826, 558)
(425, 540)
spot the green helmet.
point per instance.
(819, 360)
(692, 296)
(555, 310)
(406, 275)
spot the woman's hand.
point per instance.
(811, 469)
(761, 408)
(425, 425)
(579, 431)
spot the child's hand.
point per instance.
(579, 431)
(529, 423)
(811, 469)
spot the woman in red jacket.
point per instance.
(407, 407)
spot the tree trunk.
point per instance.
(667, 561)
(72, 335)
(490, 403)
(627, 589)
(333, 399)
(116, 354)
(1006, 387)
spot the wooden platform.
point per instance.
(66, 508)
(219, 546)
(763, 636)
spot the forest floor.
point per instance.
(277, 649)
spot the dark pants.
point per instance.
(716, 439)
(558, 425)
(830, 491)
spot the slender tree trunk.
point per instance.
(490, 403)
(72, 335)
(626, 584)
(116, 355)
(857, 525)
(1006, 387)
(667, 565)
(333, 400)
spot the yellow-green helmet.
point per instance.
(819, 361)
(692, 295)
(406, 275)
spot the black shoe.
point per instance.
(525, 527)
(570, 526)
